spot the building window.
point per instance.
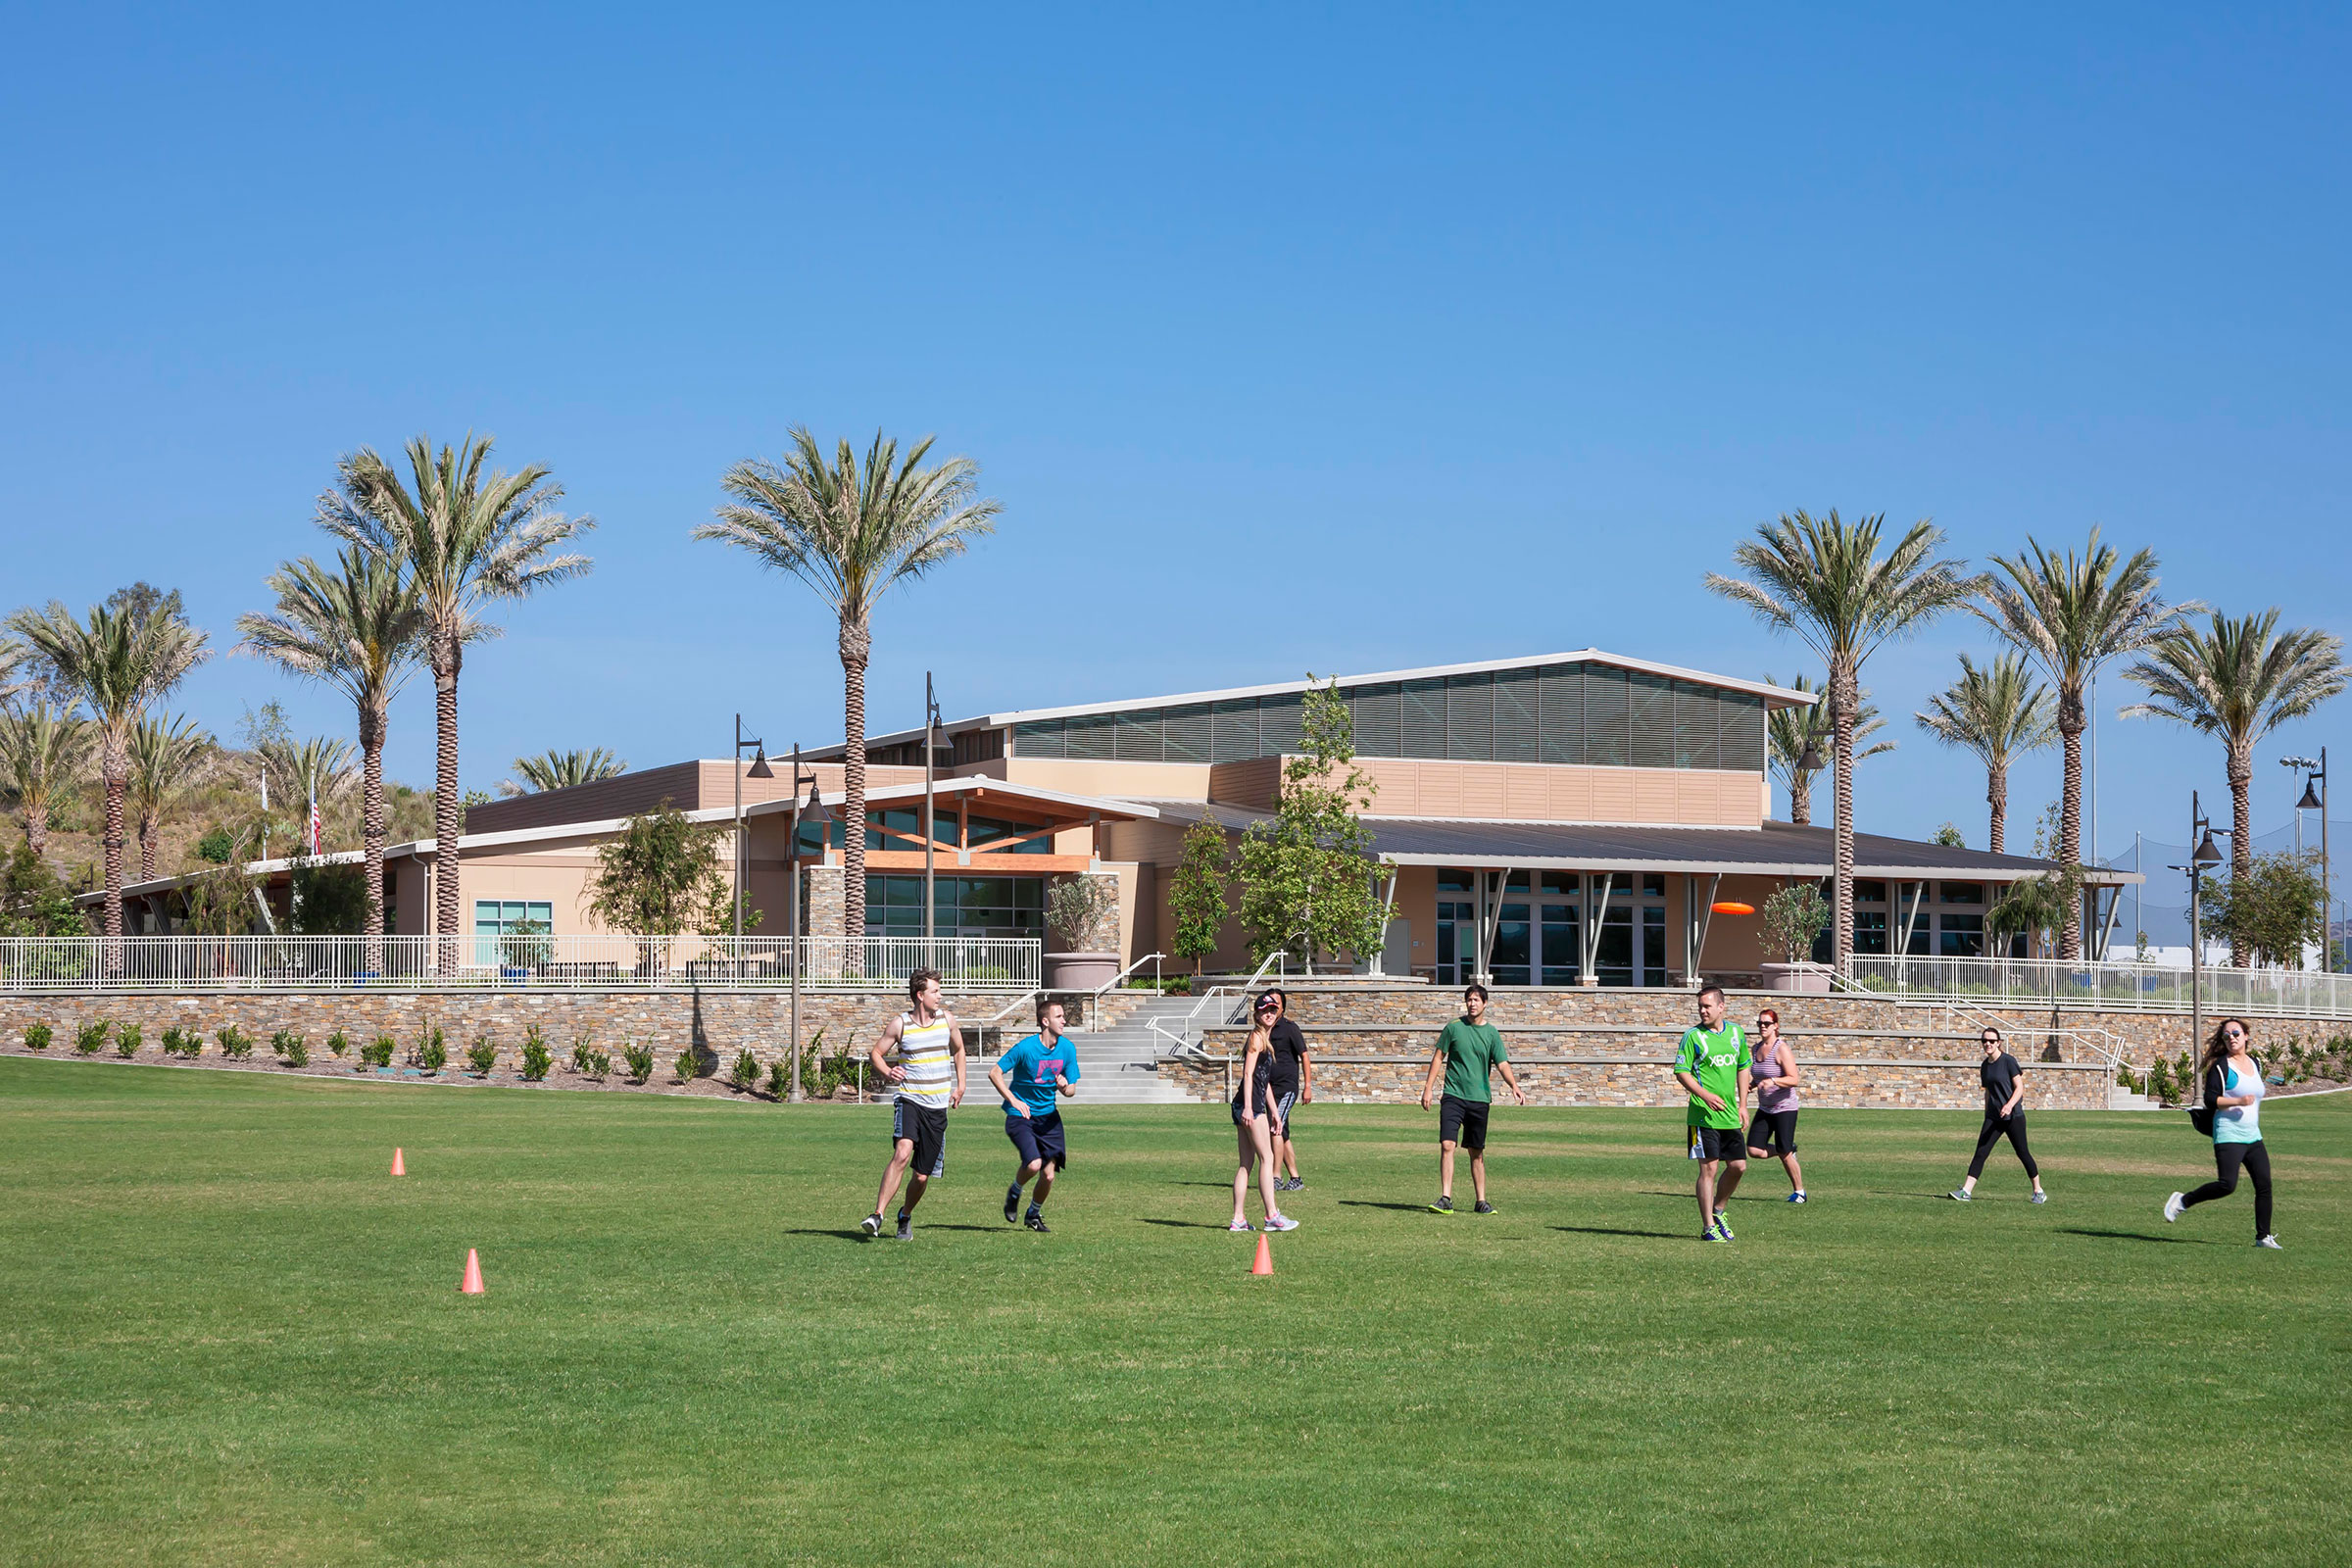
(1963, 892)
(961, 905)
(494, 918)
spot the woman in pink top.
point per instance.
(1774, 1131)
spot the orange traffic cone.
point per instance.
(1265, 1257)
(399, 1166)
(473, 1283)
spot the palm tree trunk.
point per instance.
(2241, 837)
(1997, 795)
(1845, 702)
(116, 775)
(857, 648)
(36, 827)
(1800, 797)
(448, 817)
(2070, 722)
(371, 829)
(148, 832)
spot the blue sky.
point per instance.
(1342, 339)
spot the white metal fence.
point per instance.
(510, 962)
(2113, 987)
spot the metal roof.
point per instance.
(1774, 696)
(1072, 806)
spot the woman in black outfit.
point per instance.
(2004, 1084)
(1291, 1081)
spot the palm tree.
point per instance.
(2238, 679)
(44, 750)
(1790, 731)
(1999, 711)
(462, 540)
(849, 532)
(118, 662)
(1825, 580)
(2073, 614)
(358, 627)
(317, 772)
(561, 770)
(165, 760)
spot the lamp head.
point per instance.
(1811, 762)
(2207, 853)
(2311, 796)
(815, 810)
(760, 768)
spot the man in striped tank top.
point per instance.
(929, 1074)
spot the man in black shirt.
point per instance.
(2004, 1084)
(1291, 1081)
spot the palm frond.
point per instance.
(2238, 678)
(559, 771)
(1996, 710)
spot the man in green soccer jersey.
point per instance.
(1713, 1065)
(1468, 1052)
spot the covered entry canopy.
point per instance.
(1017, 825)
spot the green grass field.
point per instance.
(230, 1337)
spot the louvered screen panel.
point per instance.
(1561, 723)
(1040, 739)
(1606, 742)
(1422, 709)
(1652, 720)
(1741, 731)
(1087, 739)
(1376, 720)
(1277, 725)
(1470, 717)
(1183, 734)
(1233, 731)
(1137, 736)
(1696, 714)
(1516, 693)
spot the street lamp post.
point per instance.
(743, 858)
(818, 815)
(930, 731)
(2315, 799)
(2204, 856)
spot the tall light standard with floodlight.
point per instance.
(816, 814)
(2315, 799)
(743, 858)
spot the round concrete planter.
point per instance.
(1807, 979)
(1080, 971)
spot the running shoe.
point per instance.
(1714, 1233)
(1012, 1204)
(1281, 1184)
(1482, 1206)
(1444, 1205)
(1958, 1196)
(1797, 1196)
(1239, 1225)
(1281, 1222)
(872, 1224)
(2173, 1206)
(1037, 1222)
(1725, 1226)
(2039, 1196)
(905, 1227)
(2271, 1242)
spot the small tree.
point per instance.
(1792, 919)
(1196, 893)
(33, 903)
(328, 901)
(1076, 909)
(1950, 835)
(2035, 908)
(661, 876)
(1306, 874)
(2272, 908)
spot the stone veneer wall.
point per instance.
(1613, 1046)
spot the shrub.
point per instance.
(90, 1036)
(433, 1049)
(291, 1049)
(338, 1043)
(779, 1077)
(482, 1055)
(37, 1037)
(126, 1040)
(2160, 1081)
(179, 1041)
(745, 1075)
(639, 1059)
(585, 1056)
(377, 1052)
(235, 1044)
(688, 1065)
(536, 1057)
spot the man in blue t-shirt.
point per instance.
(1031, 1077)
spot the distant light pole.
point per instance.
(930, 728)
(2315, 799)
(818, 815)
(743, 858)
(2205, 855)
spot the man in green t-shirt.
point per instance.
(1467, 1052)
(1713, 1064)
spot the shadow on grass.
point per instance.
(850, 1235)
(1185, 1224)
(1402, 1208)
(1610, 1230)
(2132, 1235)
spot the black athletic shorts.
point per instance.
(1264, 1106)
(1284, 1100)
(1718, 1142)
(1463, 1121)
(927, 1127)
(1773, 1130)
(1039, 1139)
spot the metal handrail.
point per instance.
(1096, 996)
(2113, 1054)
(1184, 1042)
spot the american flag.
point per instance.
(313, 824)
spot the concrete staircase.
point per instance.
(2121, 1099)
(1117, 1060)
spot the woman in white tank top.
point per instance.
(2234, 1089)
